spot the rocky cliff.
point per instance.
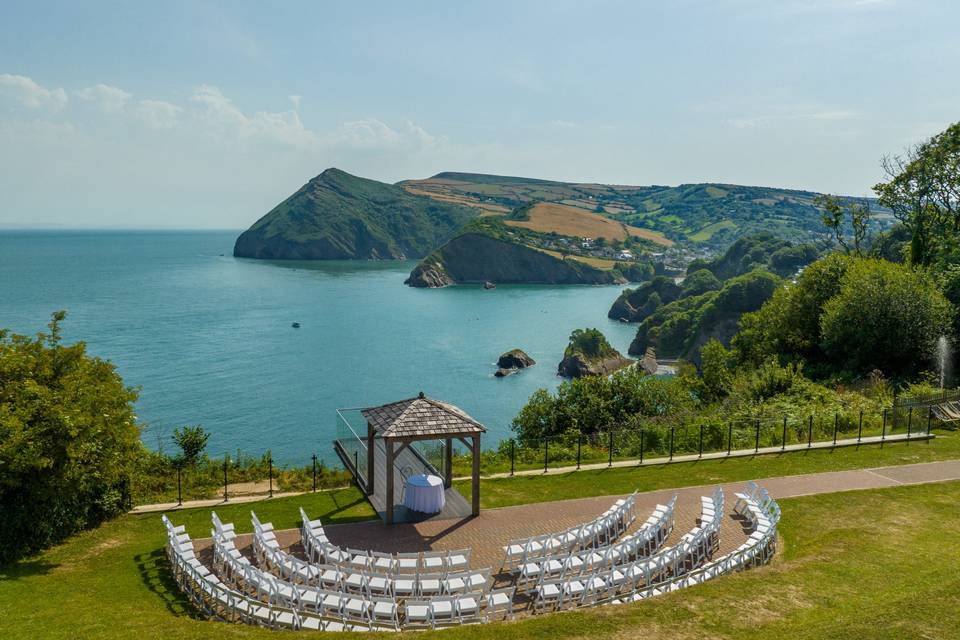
(476, 257)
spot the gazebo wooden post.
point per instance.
(370, 465)
(448, 465)
(389, 471)
(476, 475)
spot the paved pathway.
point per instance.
(648, 462)
(487, 533)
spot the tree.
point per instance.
(788, 324)
(923, 191)
(834, 215)
(192, 442)
(886, 316)
(715, 369)
(68, 440)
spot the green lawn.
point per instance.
(859, 564)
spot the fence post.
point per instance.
(641, 445)
(929, 418)
(579, 444)
(513, 445)
(883, 434)
(836, 418)
(610, 458)
(756, 444)
(909, 422)
(672, 430)
(546, 452)
(783, 442)
(270, 473)
(356, 465)
(701, 442)
(860, 428)
(225, 460)
(314, 472)
(180, 493)
(810, 433)
(729, 438)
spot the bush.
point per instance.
(886, 316)
(68, 441)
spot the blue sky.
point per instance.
(206, 114)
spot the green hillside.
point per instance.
(711, 214)
(340, 216)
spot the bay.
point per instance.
(208, 337)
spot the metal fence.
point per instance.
(574, 449)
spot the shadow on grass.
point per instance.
(155, 573)
(26, 569)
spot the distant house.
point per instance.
(587, 243)
(624, 255)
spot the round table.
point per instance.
(424, 493)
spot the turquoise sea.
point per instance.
(209, 340)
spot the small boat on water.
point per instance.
(295, 325)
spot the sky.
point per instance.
(206, 114)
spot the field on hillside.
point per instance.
(599, 263)
(545, 217)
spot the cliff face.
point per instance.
(475, 258)
(337, 216)
(578, 365)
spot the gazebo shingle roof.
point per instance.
(421, 417)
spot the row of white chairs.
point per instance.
(319, 549)
(452, 599)
(694, 548)
(365, 577)
(763, 515)
(599, 532)
(215, 600)
(651, 535)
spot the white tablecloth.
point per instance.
(424, 493)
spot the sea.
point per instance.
(209, 339)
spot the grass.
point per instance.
(864, 564)
(504, 492)
(706, 233)
(113, 582)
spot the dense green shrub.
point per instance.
(886, 316)
(68, 441)
(590, 343)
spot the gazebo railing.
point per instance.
(351, 447)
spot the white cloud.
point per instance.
(30, 94)
(158, 114)
(222, 114)
(295, 100)
(109, 99)
(374, 134)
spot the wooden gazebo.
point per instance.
(399, 424)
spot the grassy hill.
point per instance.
(712, 214)
(340, 216)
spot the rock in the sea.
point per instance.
(503, 373)
(489, 285)
(515, 359)
(590, 354)
(429, 274)
(576, 366)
